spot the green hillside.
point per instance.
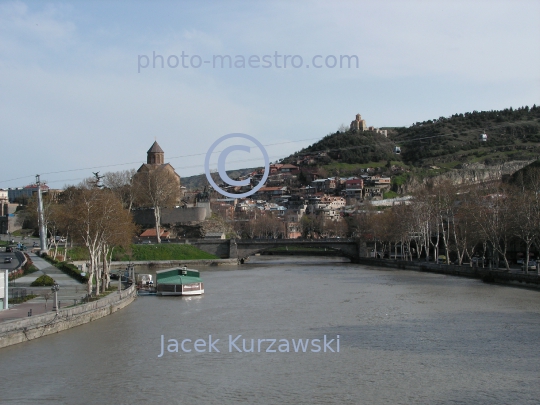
(511, 135)
(445, 142)
(353, 147)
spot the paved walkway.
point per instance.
(70, 290)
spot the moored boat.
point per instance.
(179, 281)
(145, 284)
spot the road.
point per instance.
(9, 266)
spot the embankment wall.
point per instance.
(486, 274)
(22, 330)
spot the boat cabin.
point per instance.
(179, 281)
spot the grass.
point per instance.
(75, 252)
(354, 167)
(170, 251)
(22, 232)
(449, 165)
(390, 194)
(30, 269)
(164, 252)
(20, 300)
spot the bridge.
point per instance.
(243, 248)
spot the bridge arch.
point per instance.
(250, 247)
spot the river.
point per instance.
(404, 338)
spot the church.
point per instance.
(186, 220)
(155, 160)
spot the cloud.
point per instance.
(72, 94)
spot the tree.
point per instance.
(121, 184)
(493, 219)
(525, 206)
(99, 222)
(156, 189)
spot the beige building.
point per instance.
(358, 125)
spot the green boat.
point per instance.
(179, 281)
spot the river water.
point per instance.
(404, 338)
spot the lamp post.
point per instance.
(41, 220)
(119, 281)
(55, 289)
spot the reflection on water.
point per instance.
(405, 337)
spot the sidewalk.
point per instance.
(69, 291)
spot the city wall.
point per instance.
(170, 215)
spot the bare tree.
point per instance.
(493, 218)
(121, 184)
(156, 189)
(98, 221)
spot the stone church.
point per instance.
(155, 160)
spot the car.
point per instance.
(9, 249)
(520, 261)
(8, 259)
(532, 265)
(146, 242)
(478, 260)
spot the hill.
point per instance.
(199, 181)
(425, 148)
(511, 135)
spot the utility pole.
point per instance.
(42, 229)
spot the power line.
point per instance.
(139, 162)
(252, 147)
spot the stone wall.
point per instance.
(33, 327)
(170, 216)
(495, 276)
(218, 247)
(469, 173)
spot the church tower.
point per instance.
(155, 155)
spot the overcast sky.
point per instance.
(74, 92)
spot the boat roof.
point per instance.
(181, 275)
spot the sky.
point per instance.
(89, 86)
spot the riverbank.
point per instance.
(33, 327)
(491, 276)
(169, 263)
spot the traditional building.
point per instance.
(155, 160)
(358, 125)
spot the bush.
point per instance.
(389, 194)
(72, 271)
(43, 281)
(29, 267)
(68, 268)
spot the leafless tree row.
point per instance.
(462, 222)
